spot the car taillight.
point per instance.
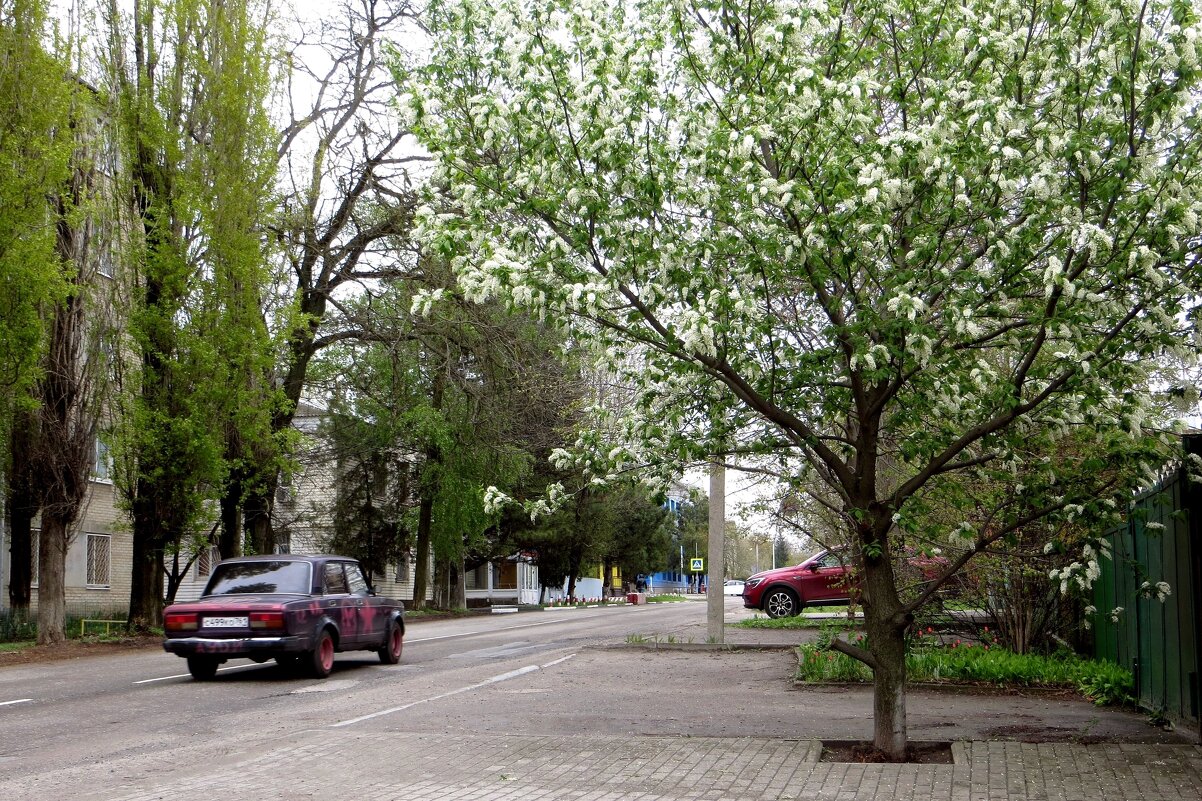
(267, 620)
(180, 621)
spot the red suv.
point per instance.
(821, 579)
(824, 578)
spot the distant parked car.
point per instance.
(732, 587)
(298, 610)
(824, 578)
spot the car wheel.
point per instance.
(390, 654)
(202, 668)
(321, 658)
(781, 602)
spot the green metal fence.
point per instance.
(1157, 641)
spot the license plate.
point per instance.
(226, 622)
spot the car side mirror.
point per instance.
(812, 567)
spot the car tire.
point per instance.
(781, 602)
(321, 658)
(202, 668)
(394, 640)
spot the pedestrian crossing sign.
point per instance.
(697, 565)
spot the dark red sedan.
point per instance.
(298, 610)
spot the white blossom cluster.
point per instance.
(1159, 591)
(951, 225)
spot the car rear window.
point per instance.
(260, 577)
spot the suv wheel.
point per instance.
(781, 602)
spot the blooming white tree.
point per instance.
(891, 242)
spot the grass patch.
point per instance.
(759, 621)
(16, 628)
(665, 599)
(1102, 682)
(21, 631)
(20, 645)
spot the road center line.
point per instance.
(188, 675)
(495, 630)
(18, 701)
(513, 674)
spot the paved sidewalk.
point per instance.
(334, 765)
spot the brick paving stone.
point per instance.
(394, 765)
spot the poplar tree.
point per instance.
(35, 152)
(190, 79)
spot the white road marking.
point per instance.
(18, 701)
(561, 660)
(513, 674)
(189, 675)
(326, 687)
(489, 631)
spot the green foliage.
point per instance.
(36, 143)
(781, 623)
(196, 138)
(1103, 682)
(888, 246)
(17, 627)
(372, 493)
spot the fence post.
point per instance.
(1192, 496)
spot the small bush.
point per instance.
(17, 628)
(1103, 682)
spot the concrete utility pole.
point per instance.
(715, 600)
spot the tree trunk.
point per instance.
(20, 549)
(888, 646)
(457, 585)
(146, 579)
(421, 569)
(885, 624)
(575, 557)
(69, 408)
(22, 507)
(52, 572)
(258, 519)
(229, 541)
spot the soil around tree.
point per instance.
(863, 752)
(77, 649)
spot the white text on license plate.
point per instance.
(225, 623)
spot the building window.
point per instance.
(98, 559)
(402, 569)
(104, 261)
(205, 560)
(34, 536)
(102, 462)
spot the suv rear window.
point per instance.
(234, 578)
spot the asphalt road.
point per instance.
(81, 727)
(129, 705)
